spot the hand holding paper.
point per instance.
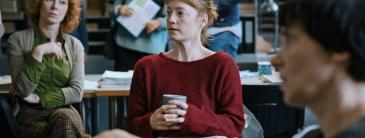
(152, 25)
(125, 10)
(143, 12)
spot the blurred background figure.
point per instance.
(2, 30)
(152, 40)
(225, 31)
(80, 32)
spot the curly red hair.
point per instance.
(69, 23)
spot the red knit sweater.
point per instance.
(212, 86)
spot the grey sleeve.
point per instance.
(15, 58)
(74, 91)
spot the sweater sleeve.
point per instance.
(33, 70)
(138, 114)
(73, 92)
(15, 57)
(227, 119)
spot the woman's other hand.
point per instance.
(152, 25)
(125, 10)
(47, 48)
(32, 98)
(159, 117)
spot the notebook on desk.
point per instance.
(115, 79)
(5, 82)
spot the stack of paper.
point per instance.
(115, 79)
(90, 85)
(5, 82)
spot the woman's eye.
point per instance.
(63, 2)
(180, 13)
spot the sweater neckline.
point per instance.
(163, 56)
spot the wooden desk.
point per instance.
(89, 95)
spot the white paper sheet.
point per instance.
(144, 11)
(90, 85)
(4, 80)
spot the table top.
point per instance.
(123, 90)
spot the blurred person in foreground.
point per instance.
(322, 63)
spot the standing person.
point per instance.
(225, 31)
(152, 40)
(209, 80)
(47, 69)
(328, 38)
(2, 30)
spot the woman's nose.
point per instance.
(172, 19)
(55, 4)
(277, 61)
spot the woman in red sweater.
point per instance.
(209, 80)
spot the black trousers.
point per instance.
(126, 59)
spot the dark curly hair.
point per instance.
(338, 25)
(69, 23)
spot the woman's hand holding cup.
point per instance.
(158, 119)
(171, 114)
(179, 110)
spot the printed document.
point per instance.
(144, 11)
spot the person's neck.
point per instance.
(49, 30)
(342, 105)
(191, 50)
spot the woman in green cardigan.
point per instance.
(47, 69)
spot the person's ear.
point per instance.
(340, 58)
(204, 20)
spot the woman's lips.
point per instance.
(53, 14)
(173, 29)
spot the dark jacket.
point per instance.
(228, 13)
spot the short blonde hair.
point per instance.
(68, 24)
(203, 7)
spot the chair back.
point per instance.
(8, 127)
(275, 117)
(253, 128)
